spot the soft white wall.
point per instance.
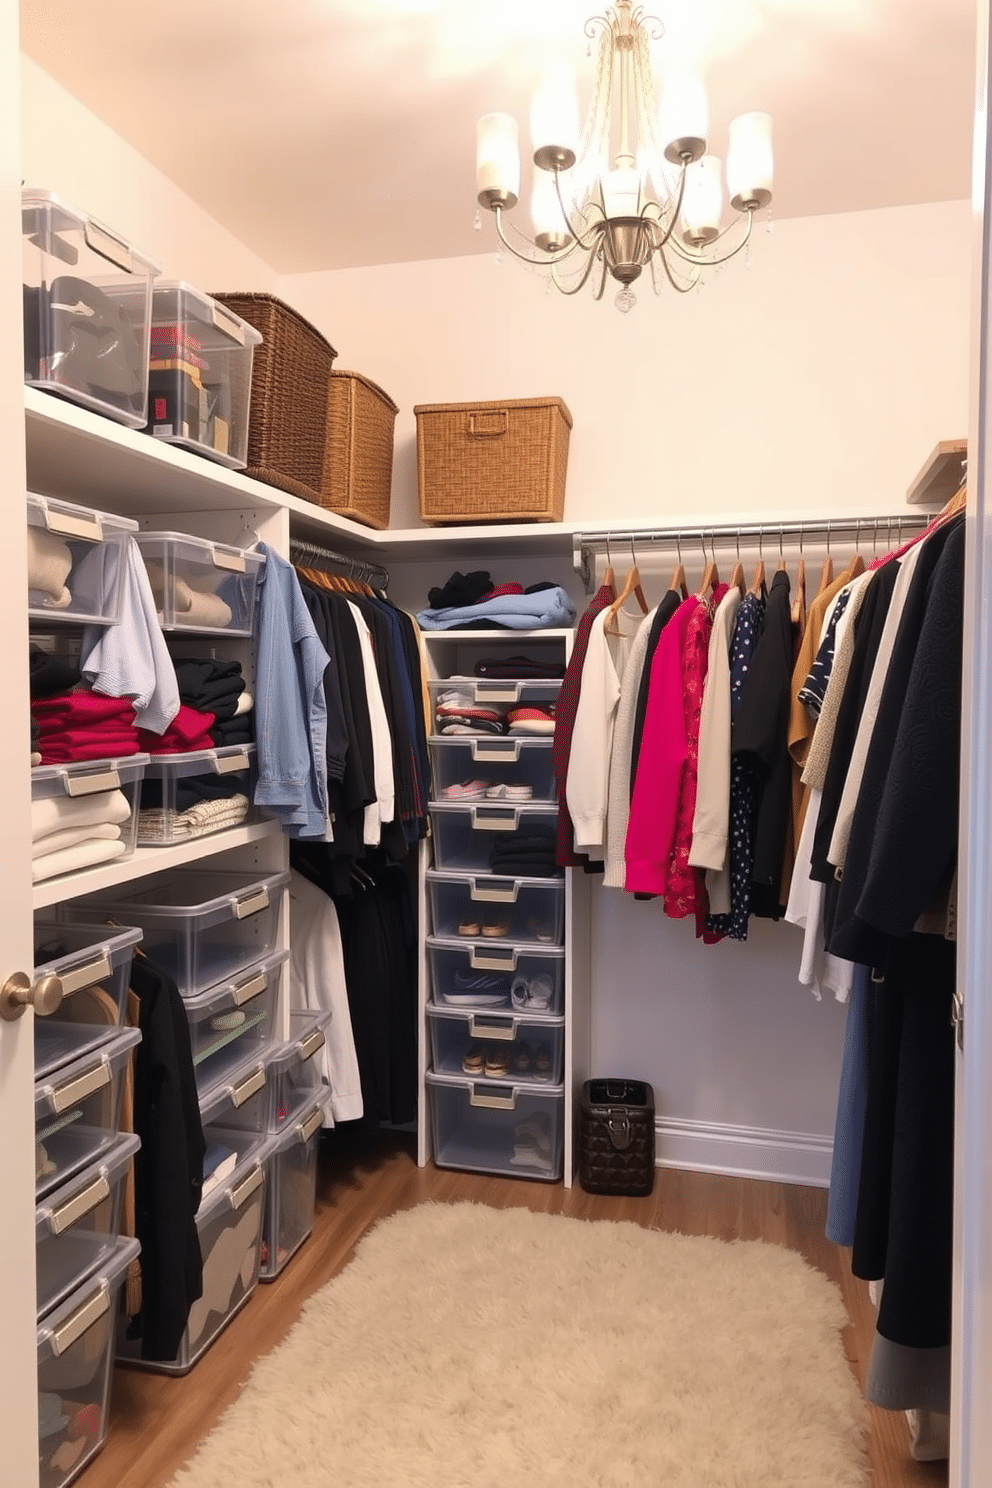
(818, 375)
(65, 148)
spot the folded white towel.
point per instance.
(83, 855)
(56, 841)
(60, 813)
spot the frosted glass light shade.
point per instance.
(750, 165)
(621, 190)
(497, 160)
(554, 120)
(702, 201)
(683, 118)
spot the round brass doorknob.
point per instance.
(19, 992)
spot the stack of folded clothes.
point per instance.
(214, 686)
(84, 726)
(457, 712)
(70, 832)
(189, 731)
(519, 668)
(527, 853)
(473, 602)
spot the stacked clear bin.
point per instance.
(76, 560)
(200, 379)
(87, 309)
(200, 585)
(163, 816)
(495, 956)
(296, 1117)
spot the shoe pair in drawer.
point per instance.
(491, 1046)
(494, 908)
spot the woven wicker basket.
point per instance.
(287, 421)
(358, 457)
(493, 462)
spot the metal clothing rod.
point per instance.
(312, 554)
(895, 529)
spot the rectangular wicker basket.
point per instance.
(493, 462)
(287, 420)
(358, 457)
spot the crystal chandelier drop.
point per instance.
(637, 187)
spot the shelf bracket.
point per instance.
(584, 563)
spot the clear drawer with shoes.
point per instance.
(511, 1130)
(229, 1022)
(495, 769)
(514, 910)
(509, 839)
(481, 974)
(519, 1047)
(77, 1111)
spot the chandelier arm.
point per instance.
(581, 282)
(579, 239)
(679, 288)
(705, 262)
(676, 209)
(550, 258)
(598, 295)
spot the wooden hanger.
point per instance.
(826, 575)
(737, 580)
(799, 603)
(758, 581)
(631, 585)
(678, 577)
(609, 577)
(711, 576)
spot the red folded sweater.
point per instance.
(188, 731)
(80, 708)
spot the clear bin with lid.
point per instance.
(295, 1072)
(199, 385)
(229, 1225)
(83, 814)
(229, 1022)
(238, 1097)
(292, 1189)
(201, 585)
(201, 926)
(77, 1224)
(75, 1359)
(180, 797)
(489, 764)
(93, 963)
(512, 1130)
(476, 906)
(522, 1047)
(77, 1111)
(494, 837)
(481, 974)
(87, 309)
(76, 560)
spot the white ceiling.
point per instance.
(334, 133)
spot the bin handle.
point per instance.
(495, 820)
(481, 962)
(228, 324)
(251, 987)
(493, 1102)
(493, 895)
(504, 752)
(64, 525)
(110, 247)
(84, 976)
(93, 1194)
(495, 413)
(223, 765)
(80, 1322)
(480, 1028)
(306, 1128)
(88, 785)
(310, 1044)
(251, 903)
(230, 558)
(248, 1087)
(77, 1090)
(239, 1196)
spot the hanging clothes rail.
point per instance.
(892, 529)
(312, 555)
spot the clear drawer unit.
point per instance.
(523, 1048)
(291, 1193)
(87, 309)
(294, 1071)
(75, 1366)
(83, 814)
(480, 974)
(93, 964)
(513, 1130)
(77, 1111)
(474, 906)
(199, 385)
(76, 561)
(491, 768)
(238, 1099)
(229, 1022)
(229, 1224)
(499, 838)
(200, 585)
(193, 795)
(202, 927)
(77, 1224)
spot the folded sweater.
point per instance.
(547, 609)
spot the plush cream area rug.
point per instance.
(469, 1347)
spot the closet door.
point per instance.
(18, 1360)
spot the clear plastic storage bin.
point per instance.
(229, 1224)
(294, 1073)
(292, 1190)
(481, 974)
(172, 809)
(75, 1358)
(486, 764)
(97, 799)
(483, 1127)
(77, 1224)
(472, 839)
(76, 561)
(498, 909)
(201, 585)
(77, 1111)
(202, 927)
(93, 963)
(239, 1098)
(229, 1022)
(498, 692)
(199, 385)
(523, 1048)
(87, 309)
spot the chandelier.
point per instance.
(637, 187)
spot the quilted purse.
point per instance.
(616, 1137)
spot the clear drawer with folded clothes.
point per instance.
(508, 839)
(481, 974)
(201, 585)
(512, 1130)
(477, 906)
(93, 964)
(75, 562)
(193, 795)
(83, 814)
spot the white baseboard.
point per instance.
(743, 1151)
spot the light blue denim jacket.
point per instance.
(290, 711)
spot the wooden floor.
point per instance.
(157, 1420)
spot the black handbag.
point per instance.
(616, 1137)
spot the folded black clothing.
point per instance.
(50, 675)
(527, 868)
(461, 589)
(522, 667)
(190, 790)
(210, 686)
(235, 731)
(541, 584)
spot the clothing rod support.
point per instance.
(356, 568)
(895, 527)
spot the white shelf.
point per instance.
(147, 860)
